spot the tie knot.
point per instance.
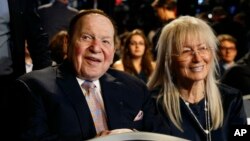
(87, 85)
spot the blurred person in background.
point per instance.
(58, 46)
(222, 23)
(136, 58)
(238, 76)
(28, 60)
(227, 52)
(19, 22)
(166, 10)
(120, 41)
(56, 16)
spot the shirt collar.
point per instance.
(96, 82)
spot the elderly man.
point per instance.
(83, 98)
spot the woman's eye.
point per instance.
(186, 50)
(202, 48)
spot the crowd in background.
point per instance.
(139, 25)
(130, 14)
(229, 20)
(222, 15)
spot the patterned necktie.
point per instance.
(95, 107)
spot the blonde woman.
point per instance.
(192, 103)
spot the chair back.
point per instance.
(246, 102)
(138, 136)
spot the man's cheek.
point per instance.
(78, 51)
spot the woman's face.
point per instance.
(193, 63)
(137, 46)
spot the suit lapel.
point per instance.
(112, 93)
(68, 83)
(113, 100)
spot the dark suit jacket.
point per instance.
(53, 106)
(239, 75)
(233, 115)
(25, 24)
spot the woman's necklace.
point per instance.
(207, 118)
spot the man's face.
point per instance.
(228, 51)
(93, 44)
(160, 11)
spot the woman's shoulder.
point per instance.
(153, 63)
(118, 65)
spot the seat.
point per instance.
(246, 102)
(138, 136)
